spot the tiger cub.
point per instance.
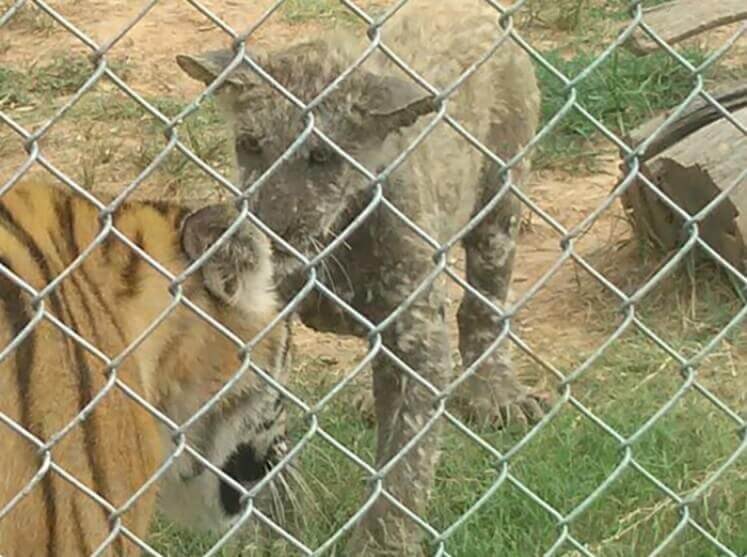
(47, 377)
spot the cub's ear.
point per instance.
(392, 103)
(241, 266)
(206, 66)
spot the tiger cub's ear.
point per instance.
(241, 265)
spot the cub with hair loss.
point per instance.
(374, 115)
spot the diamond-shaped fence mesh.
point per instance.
(641, 449)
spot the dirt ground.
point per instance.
(560, 322)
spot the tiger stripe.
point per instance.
(131, 272)
(64, 210)
(80, 533)
(17, 315)
(15, 311)
(90, 430)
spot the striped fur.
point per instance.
(109, 300)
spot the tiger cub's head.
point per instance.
(241, 434)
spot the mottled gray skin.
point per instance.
(374, 115)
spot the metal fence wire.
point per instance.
(629, 305)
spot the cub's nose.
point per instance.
(244, 466)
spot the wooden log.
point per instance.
(692, 171)
(681, 19)
(732, 96)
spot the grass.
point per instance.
(621, 93)
(300, 11)
(28, 18)
(43, 86)
(13, 87)
(580, 16)
(203, 133)
(104, 118)
(295, 12)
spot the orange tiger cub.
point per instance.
(47, 378)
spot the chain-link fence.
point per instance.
(720, 534)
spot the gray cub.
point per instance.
(374, 115)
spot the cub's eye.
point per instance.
(248, 144)
(319, 155)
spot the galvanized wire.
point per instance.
(628, 303)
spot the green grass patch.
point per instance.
(14, 87)
(45, 86)
(621, 93)
(624, 91)
(203, 132)
(582, 17)
(563, 466)
(28, 18)
(302, 11)
(63, 75)
(620, 9)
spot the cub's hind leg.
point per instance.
(493, 394)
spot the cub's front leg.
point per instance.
(418, 338)
(494, 394)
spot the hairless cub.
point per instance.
(374, 115)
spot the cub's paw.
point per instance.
(523, 410)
